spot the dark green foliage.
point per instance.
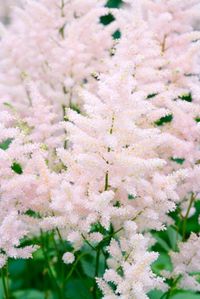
(193, 223)
(166, 240)
(16, 167)
(178, 160)
(117, 34)
(177, 294)
(162, 263)
(32, 214)
(152, 95)
(186, 97)
(79, 288)
(62, 31)
(117, 204)
(107, 19)
(75, 108)
(5, 144)
(114, 3)
(28, 294)
(88, 262)
(164, 120)
(131, 197)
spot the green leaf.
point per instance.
(62, 31)
(131, 197)
(197, 119)
(152, 95)
(88, 265)
(172, 236)
(28, 294)
(162, 263)
(185, 295)
(193, 222)
(117, 204)
(75, 108)
(33, 214)
(38, 255)
(162, 242)
(186, 97)
(114, 3)
(5, 144)
(107, 19)
(167, 239)
(1, 289)
(116, 34)
(163, 120)
(17, 267)
(88, 262)
(79, 288)
(8, 105)
(178, 160)
(155, 294)
(16, 167)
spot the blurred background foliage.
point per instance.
(42, 276)
(114, 3)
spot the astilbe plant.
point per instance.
(99, 143)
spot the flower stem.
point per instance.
(74, 266)
(4, 274)
(192, 199)
(106, 182)
(96, 272)
(49, 268)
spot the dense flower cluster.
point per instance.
(186, 263)
(99, 138)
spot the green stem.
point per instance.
(55, 244)
(105, 258)
(61, 269)
(5, 284)
(117, 231)
(106, 182)
(60, 237)
(50, 271)
(7, 279)
(86, 241)
(96, 272)
(62, 8)
(64, 118)
(192, 199)
(163, 296)
(106, 185)
(173, 287)
(74, 266)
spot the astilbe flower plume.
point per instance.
(111, 176)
